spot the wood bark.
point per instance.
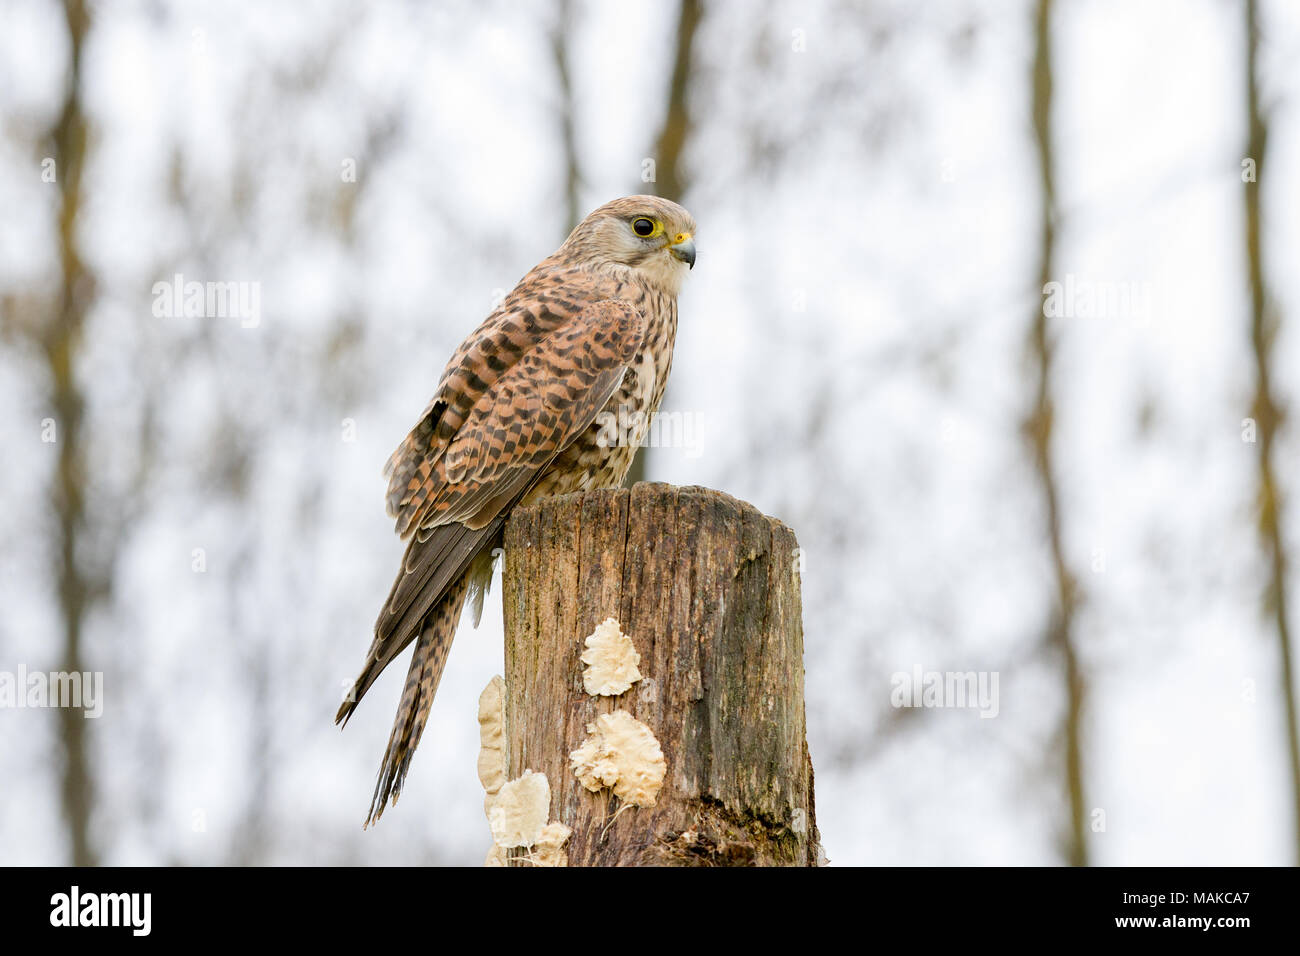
(707, 588)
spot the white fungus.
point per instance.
(516, 809)
(519, 811)
(622, 753)
(491, 735)
(549, 850)
(611, 661)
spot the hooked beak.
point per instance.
(683, 248)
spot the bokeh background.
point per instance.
(1086, 495)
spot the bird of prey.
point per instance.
(517, 417)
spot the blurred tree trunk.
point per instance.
(1267, 410)
(670, 175)
(1039, 430)
(560, 37)
(60, 346)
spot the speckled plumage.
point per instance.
(516, 417)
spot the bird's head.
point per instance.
(653, 236)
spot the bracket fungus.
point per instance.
(517, 810)
(611, 661)
(621, 753)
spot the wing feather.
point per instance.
(482, 443)
(529, 415)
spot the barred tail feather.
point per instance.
(417, 696)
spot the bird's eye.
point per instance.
(643, 227)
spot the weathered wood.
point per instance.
(708, 590)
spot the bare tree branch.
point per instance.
(1038, 429)
(1267, 410)
(61, 344)
(560, 56)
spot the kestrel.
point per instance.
(517, 417)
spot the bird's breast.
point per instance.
(602, 455)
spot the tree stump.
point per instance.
(707, 588)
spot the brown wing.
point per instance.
(458, 493)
